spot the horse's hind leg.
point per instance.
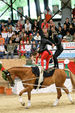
(67, 92)
(59, 94)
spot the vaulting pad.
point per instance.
(47, 73)
(36, 71)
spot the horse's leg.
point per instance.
(28, 89)
(59, 94)
(29, 99)
(68, 94)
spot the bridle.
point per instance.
(8, 77)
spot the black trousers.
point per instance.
(56, 54)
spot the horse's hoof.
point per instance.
(27, 107)
(54, 105)
(22, 103)
(72, 102)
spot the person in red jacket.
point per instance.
(21, 49)
(48, 14)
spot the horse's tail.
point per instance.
(72, 77)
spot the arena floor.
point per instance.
(41, 103)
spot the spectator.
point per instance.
(64, 30)
(2, 50)
(48, 14)
(52, 31)
(31, 39)
(37, 38)
(21, 49)
(44, 24)
(74, 37)
(19, 25)
(24, 38)
(35, 25)
(71, 29)
(0, 27)
(4, 33)
(17, 30)
(23, 31)
(33, 48)
(28, 49)
(73, 12)
(17, 38)
(21, 21)
(68, 37)
(11, 27)
(10, 49)
(51, 24)
(3, 25)
(28, 32)
(10, 33)
(73, 23)
(34, 31)
(9, 22)
(2, 40)
(60, 32)
(27, 26)
(67, 23)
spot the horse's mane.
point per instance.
(17, 68)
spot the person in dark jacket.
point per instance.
(57, 43)
(44, 40)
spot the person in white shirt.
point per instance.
(10, 33)
(27, 25)
(37, 38)
(4, 33)
(28, 49)
(2, 50)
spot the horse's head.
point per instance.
(7, 76)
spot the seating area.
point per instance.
(23, 37)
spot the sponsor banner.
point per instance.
(67, 54)
(69, 45)
(69, 51)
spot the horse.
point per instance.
(28, 79)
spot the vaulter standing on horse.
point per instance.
(59, 49)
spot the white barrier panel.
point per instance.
(18, 87)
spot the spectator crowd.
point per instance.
(23, 38)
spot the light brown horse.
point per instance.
(25, 73)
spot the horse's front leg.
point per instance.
(28, 90)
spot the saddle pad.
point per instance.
(48, 74)
(36, 71)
